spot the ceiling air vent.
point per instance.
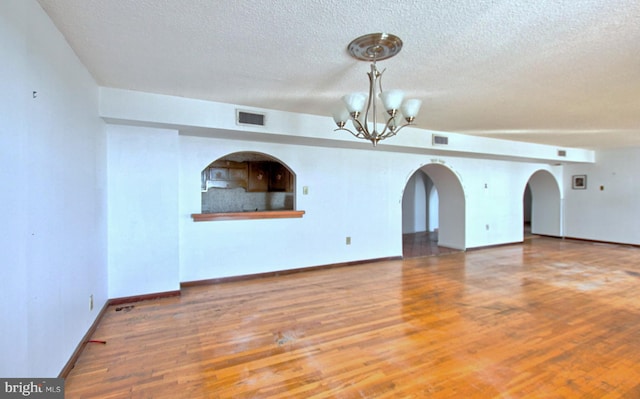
(562, 153)
(440, 140)
(249, 118)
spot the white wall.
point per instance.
(434, 207)
(452, 209)
(13, 173)
(546, 204)
(52, 169)
(343, 200)
(355, 190)
(356, 193)
(610, 214)
(415, 204)
(143, 210)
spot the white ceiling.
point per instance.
(561, 72)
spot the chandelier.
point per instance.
(375, 47)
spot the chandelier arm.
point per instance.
(371, 100)
(362, 129)
(396, 130)
(373, 95)
(387, 127)
(380, 80)
(356, 135)
(392, 132)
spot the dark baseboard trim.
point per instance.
(586, 240)
(146, 297)
(506, 244)
(246, 277)
(76, 354)
(583, 240)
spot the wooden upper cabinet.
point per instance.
(258, 176)
(227, 174)
(280, 179)
(254, 176)
(269, 176)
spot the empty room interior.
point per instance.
(321, 199)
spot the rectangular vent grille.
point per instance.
(440, 140)
(562, 153)
(249, 118)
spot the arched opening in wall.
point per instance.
(247, 182)
(433, 213)
(542, 205)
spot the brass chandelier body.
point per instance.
(375, 47)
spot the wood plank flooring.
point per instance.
(549, 318)
(423, 244)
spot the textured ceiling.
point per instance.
(562, 72)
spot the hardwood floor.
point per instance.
(425, 243)
(546, 319)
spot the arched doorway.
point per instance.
(433, 212)
(542, 204)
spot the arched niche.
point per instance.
(247, 185)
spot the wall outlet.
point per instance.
(305, 190)
(348, 241)
(91, 302)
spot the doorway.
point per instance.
(542, 205)
(433, 213)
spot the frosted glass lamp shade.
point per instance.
(340, 115)
(411, 107)
(392, 99)
(355, 102)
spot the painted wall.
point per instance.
(546, 204)
(52, 167)
(610, 214)
(143, 210)
(434, 207)
(336, 207)
(360, 186)
(343, 201)
(415, 204)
